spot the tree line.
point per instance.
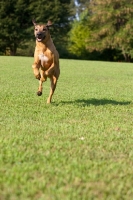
(93, 29)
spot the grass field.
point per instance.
(78, 148)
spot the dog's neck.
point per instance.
(46, 43)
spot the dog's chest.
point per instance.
(43, 58)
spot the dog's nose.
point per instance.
(39, 34)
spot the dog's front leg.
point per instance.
(36, 72)
(39, 92)
(53, 65)
(49, 71)
(43, 75)
(36, 65)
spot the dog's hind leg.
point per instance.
(53, 80)
(42, 79)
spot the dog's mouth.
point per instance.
(40, 37)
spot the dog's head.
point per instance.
(41, 31)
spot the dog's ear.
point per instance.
(49, 23)
(34, 22)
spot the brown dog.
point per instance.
(46, 58)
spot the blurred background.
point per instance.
(83, 29)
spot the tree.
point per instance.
(60, 13)
(77, 37)
(14, 21)
(16, 27)
(111, 25)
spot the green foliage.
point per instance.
(80, 147)
(14, 21)
(77, 37)
(16, 27)
(102, 27)
(111, 25)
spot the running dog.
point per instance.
(46, 58)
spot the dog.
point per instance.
(46, 58)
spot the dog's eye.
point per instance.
(44, 29)
(36, 29)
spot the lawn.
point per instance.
(78, 148)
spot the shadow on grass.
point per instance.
(96, 102)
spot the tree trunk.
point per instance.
(127, 57)
(13, 50)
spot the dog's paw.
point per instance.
(46, 73)
(38, 76)
(43, 79)
(39, 93)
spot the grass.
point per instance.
(79, 147)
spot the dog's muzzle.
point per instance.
(40, 36)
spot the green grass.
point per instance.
(79, 147)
